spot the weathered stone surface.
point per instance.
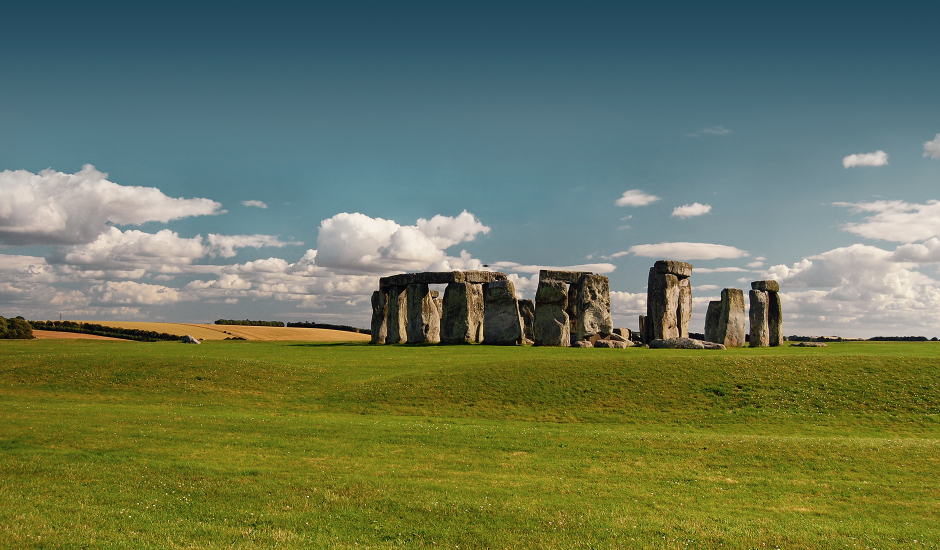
(644, 335)
(732, 323)
(676, 343)
(397, 330)
(190, 340)
(462, 319)
(551, 291)
(527, 312)
(379, 316)
(662, 304)
(625, 332)
(617, 338)
(424, 321)
(593, 296)
(502, 325)
(767, 286)
(551, 326)
(684, 310)
(713, 345)
(711, 320)
(441, 278)
(774, 319)
(439, 305)
(612, 344)
(570, 277)
(583, 344)
(760, 335)
(679, 269)
(528, 342)
(809, 345)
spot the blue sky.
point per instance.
(352, 123)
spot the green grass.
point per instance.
(244, 444)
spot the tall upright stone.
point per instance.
(593, 295)
(774, 319)
(552, 327)
(760, 334)
(424, 322)
(379, 316)
(712, 317)
(732, 322)
(669, 300)
(644, 336)
(684, 311)
(462, 319)
(502, 325)
(527, 312)
(397, 328)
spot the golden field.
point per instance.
(221, 332)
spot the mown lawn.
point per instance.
(297, 445)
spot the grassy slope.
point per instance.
(221, 332)
(304, 445)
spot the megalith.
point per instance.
(774, 312)
(644, 336)
(760, 333)
(552, 326)
(502, 325)
(397, 315)
(668, 300)
(732, 322)
(379, 316)
(462, 319)
(711, 320)
(593, 309)
(424, 321)
(527, 312)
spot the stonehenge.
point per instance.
(571, 309)
(765, 314)
(668, 301)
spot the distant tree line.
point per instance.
(16, 328)
(901, 339)
(248, 323)
(873, 339)
(345, 328)
(102, 330)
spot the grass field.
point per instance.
(305, 445)
(221, 332)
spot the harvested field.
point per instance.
(54, 335)
(221, 332)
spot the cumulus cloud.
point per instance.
(225, 245)
(896, 221)
(711, 131)
(691, 210)
(133, 293)
(878, 158)
(721, 270)
(254, 204)
(114, 249)
(636, 197)
(932, 148)
(922, 253)
(684, 251)
(356, 243)
(519, 268)
(57, 208)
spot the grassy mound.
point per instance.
(345, 445)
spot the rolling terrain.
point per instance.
(221, 332)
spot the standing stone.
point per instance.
(732, 324)
(439, 305)
(397, 329)
(684, 310)
(760, 335)
(527, 312)
(552, 327)
(572, 308)
(424, 322)
(644, 336)
(711, 320)
(502, 325)
(662, 305)
(379, 316)
(593, 295)
(774, 319)
(462, 319)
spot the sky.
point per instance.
(193, 161)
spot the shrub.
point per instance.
(16, 328)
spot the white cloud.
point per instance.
(691, 210)
(703, 270)
(133, 293)
(932, 148)
(255, 204)
(114, 249)
(57, 208)
(922, 253)
(225, 245)
(896, 221)
(685, 251)
(519, 268)
(627, 303)
(636, 197)
(705, 287)
(878, 158)
(756, 264)
(711, 131)
(356, 243)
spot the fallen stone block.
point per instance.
(613, 344)
(582, 344)
(809, 345)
